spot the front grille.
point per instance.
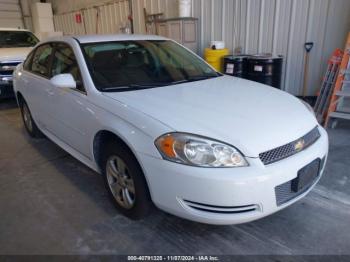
(284, 193)
(221, 209)
(290, 149)
(7, 68)
(6, 91)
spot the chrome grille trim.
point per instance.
(7, 68)
(220, 209)
(288, 150)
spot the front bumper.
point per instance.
(227, 195)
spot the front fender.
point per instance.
(136, 129)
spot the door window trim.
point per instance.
(29, 60)
(48, 77)
(54, 44)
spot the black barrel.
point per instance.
(236, 65)
(265, 69)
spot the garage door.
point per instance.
(10, 14)
(101, 19)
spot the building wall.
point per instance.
(113, 14)
(16, 13)
(279, 27)
(66, 6)
(10, 14)
(102, 16)
(168, 7)
(27, 16)
(268, 26)
(256, 26)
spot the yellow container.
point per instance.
(215, 57)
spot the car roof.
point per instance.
(107, 38)
(13, 29)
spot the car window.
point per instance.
(64, 62)
(41, 60)
(17, 39)
(174, 60)
(28, 62)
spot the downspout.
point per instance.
(83, 16)
(22, 15)
(97, 17)
(131, 18)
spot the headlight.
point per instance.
(308, 106)
(197, 151)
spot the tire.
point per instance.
(125, 182)
(29, 122)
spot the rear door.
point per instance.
(36, 82)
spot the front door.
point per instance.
(72, 114)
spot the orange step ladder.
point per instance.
(328, 84)
(341, 90)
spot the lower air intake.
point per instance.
(221, 209)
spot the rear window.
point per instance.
(17, 39)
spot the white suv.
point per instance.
(163, 126)
(15, 44)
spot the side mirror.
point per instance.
(63, 81)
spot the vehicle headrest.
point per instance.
(135, 59)
(109, 59)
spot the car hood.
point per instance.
(250, 116)
(14, 54)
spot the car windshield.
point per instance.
(17, 39)
(129, 65)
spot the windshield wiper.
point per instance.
(156, 84)
(159, 84)
(201, 77)
(147, 85)
(136, 86)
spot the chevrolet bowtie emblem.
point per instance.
(299, 145)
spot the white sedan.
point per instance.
(164, 128)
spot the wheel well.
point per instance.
(20, 98)
(102, 138)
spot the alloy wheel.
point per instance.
(120, 182)
(27, 118)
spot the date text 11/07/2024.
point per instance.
(173, 258)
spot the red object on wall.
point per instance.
(78, 18)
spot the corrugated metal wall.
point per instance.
(10, 14)
(66, 6)
(280, 27)
(102, 19)
(272, 26)
(168, 7)
(112, 14)
(27, 16)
